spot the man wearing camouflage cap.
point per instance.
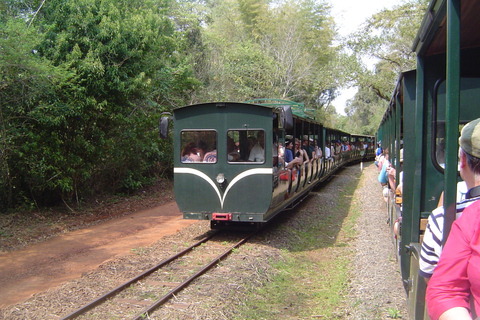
(453, 291)
(470, 172)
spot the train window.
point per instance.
(198, 146)
(245, 146)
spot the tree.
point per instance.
(25, 81)
(110, 68)
(388, 36)
(364, 112)
(283, 50)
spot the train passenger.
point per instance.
(318, 151)
(301, 156)
(202, 149)
(306, 147)
(392, 173)
(379, 149)
(383, 164)
(189, 153)
(232, 153)
(378, 155)
(328, 154)
(338, 148)
(251, 141)
(457, 276)
(211, 156)
(281, 150)
(288, 152)
(257, 153)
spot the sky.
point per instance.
(349, 15)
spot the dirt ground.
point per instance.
(45, 265)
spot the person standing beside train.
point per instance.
(457, 276)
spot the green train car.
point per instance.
(230, 165)
(421, 126)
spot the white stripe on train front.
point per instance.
(239, 177)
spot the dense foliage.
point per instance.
(387, 37)
(82, 82)
(82, 88)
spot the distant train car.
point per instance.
(230, 164)
(421, 127)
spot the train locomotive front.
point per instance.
(216, 175)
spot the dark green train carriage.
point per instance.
(229, 165)
(428, 108)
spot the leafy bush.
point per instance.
(80, 99)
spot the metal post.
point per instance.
(452, 110)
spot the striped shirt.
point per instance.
(433, 237)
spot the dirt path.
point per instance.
(40, 267)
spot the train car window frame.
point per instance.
(435, 124)
(243, 136)
(205, 146)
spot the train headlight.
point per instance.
(221, 178)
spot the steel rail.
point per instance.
(146, 273)
(142, 314)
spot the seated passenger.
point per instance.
(301, 156)
(318, 151)
(328, 153)
(257, 153)
(288, 152)
(189, 153)
(202, 148)
(232, 153)
(211, 156)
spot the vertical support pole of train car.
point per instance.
(398, 109)
(413, 168)
(452, 110)
(391, 136)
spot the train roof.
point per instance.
(298, 109)
(431, 38)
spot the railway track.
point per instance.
(141, 295)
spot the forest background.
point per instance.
(83, 82)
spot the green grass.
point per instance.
(311, 279)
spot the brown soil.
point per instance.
(39, 265)
(102, 256)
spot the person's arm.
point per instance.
(431, 244)
(457, 313)
(306, 156)
(449, 287)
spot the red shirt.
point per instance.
(458, 270)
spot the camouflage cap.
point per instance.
(470, 138)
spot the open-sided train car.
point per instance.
(229, 166)
(429, 107)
